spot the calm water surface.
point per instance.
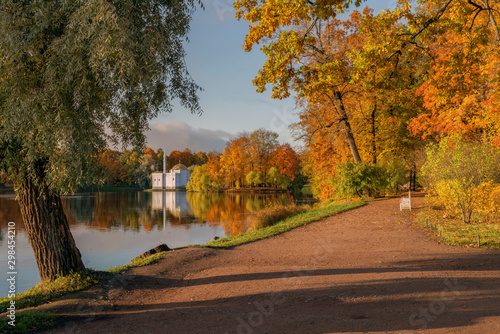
(110, 229)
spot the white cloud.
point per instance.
(177, 135)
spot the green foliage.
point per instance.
(259, 179)
(358, 179)
(200, 180)
(255, 179)
(143, 173)
(395, 174)
(299, 184)
(454, 171)
(275, 179)
(72, 70)
(250, 178)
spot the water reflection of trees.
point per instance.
(133, 211)
(9, 212)
(230, 210)
(128, 211)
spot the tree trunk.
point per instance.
(413, 178)
(374, 134)
(346, 127)
(48, 231)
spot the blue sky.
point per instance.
(231, 105)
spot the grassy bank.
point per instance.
(271, 215)
(452, 231)
(47, 291)
(27, 322)
(285, 225)
(44, 292)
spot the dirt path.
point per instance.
(366, 270)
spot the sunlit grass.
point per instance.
(44, 292)
(453, 231)
(138, 262)
(286, 224)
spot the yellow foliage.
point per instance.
(488, 202)
(486, 199)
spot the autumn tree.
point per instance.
(184, 157)
(286, 161)
(261, 146)
(461, 93)
(130, 161)
(215, 171)
(71, 73)
(453, 44)
(307, 52)
(235, 161)
(115, 172)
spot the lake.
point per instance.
(110, 229)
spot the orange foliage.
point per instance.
(185, 157)
(257, 152)
(286, 160)
(114, 170)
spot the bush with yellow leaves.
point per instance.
(488, 202)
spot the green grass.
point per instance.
(285, 225)
(27, 322)
(46, 291)
(137, 262)
(452, 231)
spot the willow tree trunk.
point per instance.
(48, 231)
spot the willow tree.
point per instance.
(75, 75)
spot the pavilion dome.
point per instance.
(179, 167)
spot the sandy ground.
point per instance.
(367, 270)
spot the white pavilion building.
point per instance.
(178, 177)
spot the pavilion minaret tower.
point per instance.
(164, 163)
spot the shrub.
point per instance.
(271, 215)
(488, 202)
(360, 179)
(455, 170)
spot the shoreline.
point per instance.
(228, 242)
(326, 277)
